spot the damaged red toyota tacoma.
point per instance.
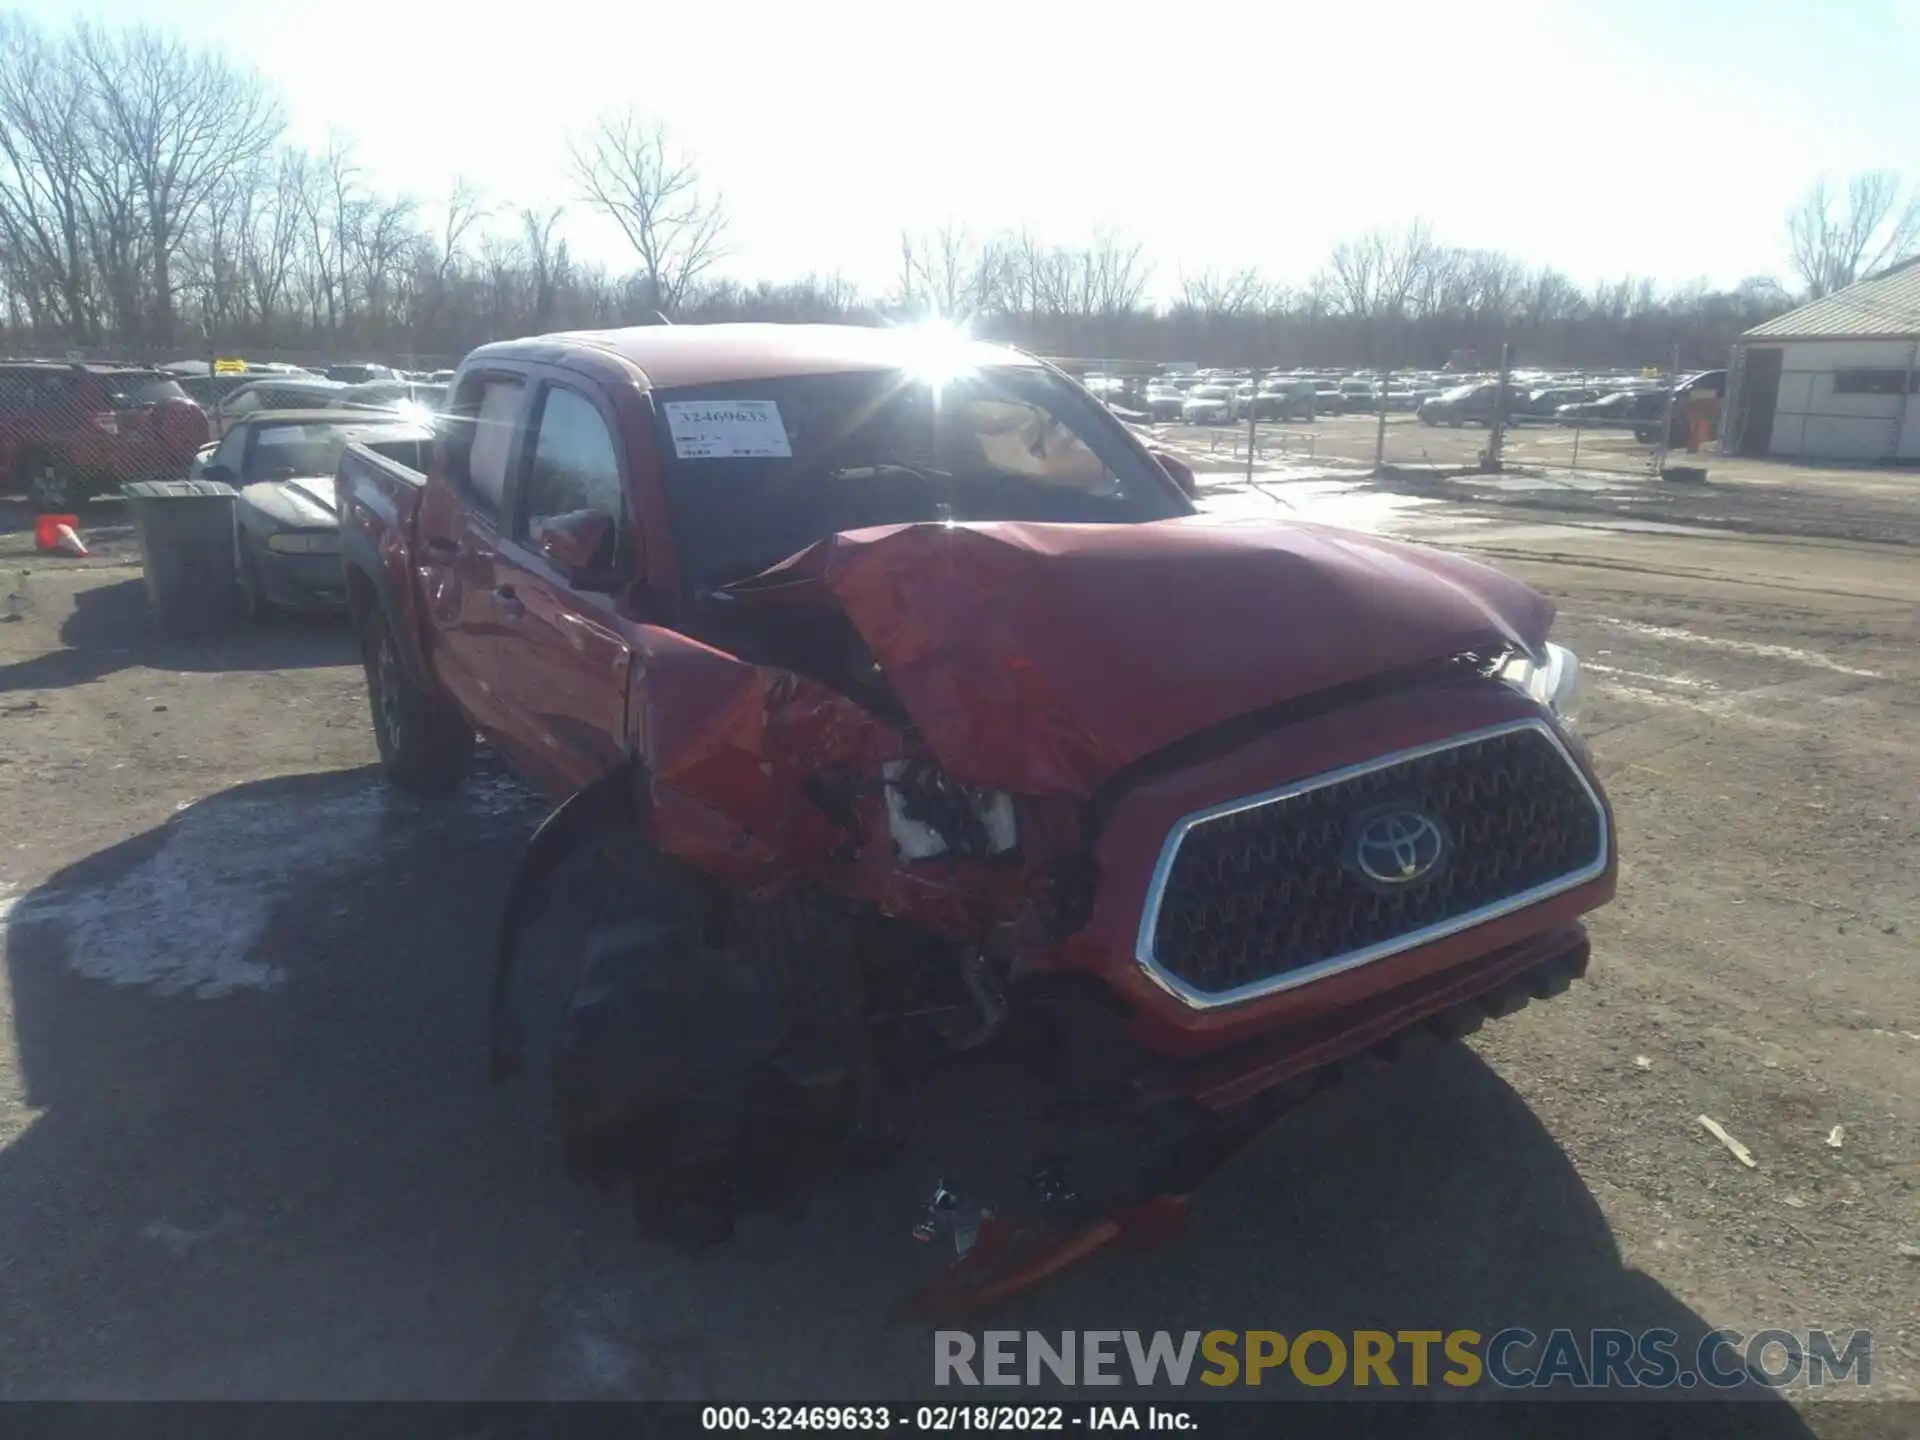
(902, 711)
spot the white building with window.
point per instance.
(1835, 379)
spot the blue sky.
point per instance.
(1604, 136)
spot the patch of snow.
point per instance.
(189, 918)
(1740, 647)
(1683, 681)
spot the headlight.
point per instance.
(295, 543)
(1553, 680)
(929, 815)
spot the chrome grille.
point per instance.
(1263, 894)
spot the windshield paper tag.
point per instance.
(722, 429)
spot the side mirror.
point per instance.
(1181, 472)
(580, 545)
(220, 475)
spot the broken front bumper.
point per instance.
(1444, 1006)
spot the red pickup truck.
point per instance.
(910, 712)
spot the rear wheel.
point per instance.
(425, 745)
(52, 484)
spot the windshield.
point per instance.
(756, 471)
(281, 452)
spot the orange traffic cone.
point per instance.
(58, 535)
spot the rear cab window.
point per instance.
(478, 433)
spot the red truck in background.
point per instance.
(72, 431)
(902, 710)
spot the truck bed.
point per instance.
(378, 500)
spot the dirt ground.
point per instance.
(247, 1147)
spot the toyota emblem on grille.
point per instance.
(1398, 846)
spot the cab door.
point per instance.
(564, 660)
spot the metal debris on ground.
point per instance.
(1908, 1252)
(1794, 1201)
(1734, 1148)
(1641, 1062)
(1836, 1137)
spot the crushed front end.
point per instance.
(901, 812)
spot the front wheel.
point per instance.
(425, 746)
(253, 600)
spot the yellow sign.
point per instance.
(229, 367)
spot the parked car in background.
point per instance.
(287, 524)
(1359, 394)
(1329, 399)
(1208, 405)
(401, 395)
(1544, 402)
(72, 431)
(208, 390)
(280, 394)
(1626, 409)
(1465, 405)
(359, 372)
(1278, 399)
(1165, 400)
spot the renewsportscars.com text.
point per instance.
(1512, 1359)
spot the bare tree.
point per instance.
(630, 170)
(464, 210)
(1213, 293)
(1835, 241)
(950, 273)
(333, 202)
(548, 259)
(182, 119)
(45, 123)
(274, 232)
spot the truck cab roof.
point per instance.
(669, 356)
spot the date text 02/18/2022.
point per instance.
(941, 1419)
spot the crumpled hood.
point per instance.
(305, 502)
(1041, 659)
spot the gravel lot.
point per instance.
(247, 1147)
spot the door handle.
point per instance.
(441, 550)
(509, 601)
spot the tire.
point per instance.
(252, 603)
(53, 486)
(426, 747)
